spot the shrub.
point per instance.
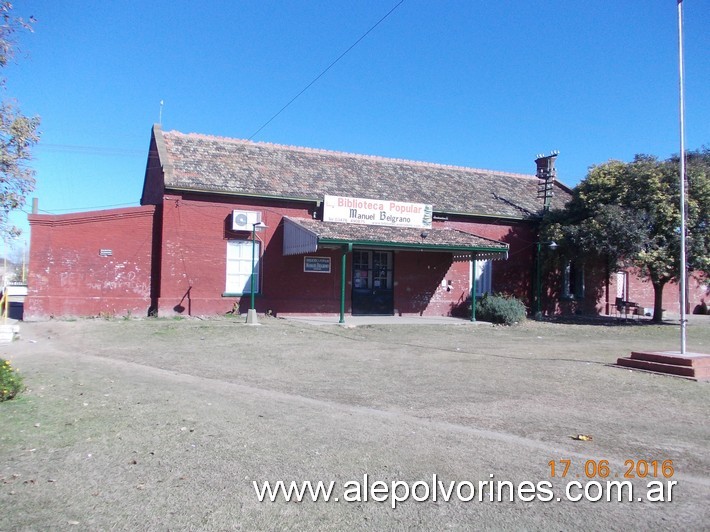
(500, 309)
(10, 381)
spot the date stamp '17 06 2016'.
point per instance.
(601, 469)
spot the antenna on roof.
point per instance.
(160, 114)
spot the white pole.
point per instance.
(683, 294)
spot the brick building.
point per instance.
(92, 263)
(327, 233)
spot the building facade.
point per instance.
(227, 224)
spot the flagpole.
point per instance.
(683, 294)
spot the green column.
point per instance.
(473, 291)
(253, 261)
(538, 282)
(343, 281)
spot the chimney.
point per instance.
(546, 173)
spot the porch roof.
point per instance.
(307, 235)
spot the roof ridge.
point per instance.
(323, 151)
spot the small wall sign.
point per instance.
(316, 264)
(105, 252)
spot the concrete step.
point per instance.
(695, 360)
(694, 366)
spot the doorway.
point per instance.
(373, 275)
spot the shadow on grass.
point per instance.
(458, 351)
(603, 321)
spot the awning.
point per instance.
(307, 235)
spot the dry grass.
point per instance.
(163, 424)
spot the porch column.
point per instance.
(343, 281)
(473, 287)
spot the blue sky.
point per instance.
(473, 83)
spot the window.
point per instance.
(372, 269)
(239, 264)
(573, 281)
(484, 275)
(622, 284)
(382, 269)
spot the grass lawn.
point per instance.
(166, 424)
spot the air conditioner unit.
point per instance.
(245, 220)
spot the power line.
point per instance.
(79, 209)
(90, 150)
(326, 70)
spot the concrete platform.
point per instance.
(695, 366)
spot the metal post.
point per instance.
(343, 268)
(251, 313)
(538, 283)
(253, 252)
(683, 294)
(473, 290)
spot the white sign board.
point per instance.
(376, 212)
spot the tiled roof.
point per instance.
(306, 235)
(223, 165)
(452, 238)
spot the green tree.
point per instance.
(18, 133)
(628, 214)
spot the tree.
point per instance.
(18, 133)
(628, 214)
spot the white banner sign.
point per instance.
(376, 212)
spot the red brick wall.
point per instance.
(698, 294)
(67, 275)
(194, 253)
(514, 276)
(173, 257)
(601, 293)
(193, 264)
(641, 292)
